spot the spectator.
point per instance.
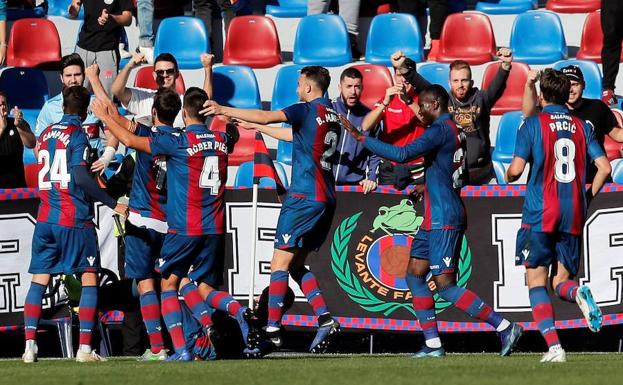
(611, 16)
(438, 13)
(98, 41)
(349, 11)
(145, 19)
(14, 135)
(210, 12)
(355, 164)
(73, 74)
(401, 125)
(3, 43)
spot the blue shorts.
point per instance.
(303, 223)
(441, 248)
(202, 255)
(142, 250)
(536, 248)
(58, 249)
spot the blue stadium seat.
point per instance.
(617, 172)
(505, 142)
(24, 13)
(537, 37)
(183, 37)
(286, 8)
(244, 176)
(506, 7)
(436, 73)
(59, 8)
(236, 86)
(284, 89)
(284, 151)
(592, 76)
(391, 32)
(322, 40)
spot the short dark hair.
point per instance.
(438, 93)
(458, 65)
(76, 100)
(167, 105)
(167, 57)
(73, 59)
(555, 86)
(351, 72)
(318, 75)
(193, 101)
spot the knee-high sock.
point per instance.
(172, 314)
(543, 313)
(567, 290)
(32, 309)
(87, 313)
(276, 293)
(195, 304)
(224, 301)
(424, 307)
(309, 285)
(470, 303)
(150, 309)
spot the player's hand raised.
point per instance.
(210, 107)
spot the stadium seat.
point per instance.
(467, 36)
(245, 147)
(244, 176)
(322, 40)
(260, 51)
(145, 79)
(592, 38)
(592, 76)
(27, 51)
(25, 13)
(391, 32)
(376, 79)
(59, 8)
(573, 6)
(436, 73)
(537, 37)
(506, 7)
(617, 173)
(505, 142)
(614, 150)
(190, 31)
(284, 151)
(513, 93)
(284, 89)
(286, 8)
(26, 88)
(236, 86)
(31, 174)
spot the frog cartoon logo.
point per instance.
(371, 265)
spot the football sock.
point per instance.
(567, 290)
(150, 310)
(172, 314)
(276, 293)
(543, 314)
(87, 313)
(309, 285)
(195, 304)
(424, 307)
(32, 309)
(222, 300)
(470, 303)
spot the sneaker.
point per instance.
(89, 357)
(30, 355)
(608, 97)
(183, 356)
(148, 52)
(250, 333)
(509, 337)
(150, 356)
(429, 352)
(589, 308)
(123, 53)
(555, 355)
(324, 335)
(274, 338)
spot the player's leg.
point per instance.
(277, 290)
(150, 310)
(195, 302)
(87, 314)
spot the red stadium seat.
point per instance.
(592, 38)
(513, 93)
(376, 79)
(34, 43)
(467, 36)
(573, 6)
(30, 171)
(614, 150)
(252, 41)
(244, 151)
(145, 79)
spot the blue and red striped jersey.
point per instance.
(145, 198)
(559, 148)
(316, 131)
(196, 177)
(62, 146)
(443, 146)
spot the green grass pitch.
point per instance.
(463, 369)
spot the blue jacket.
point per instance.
(355, 163)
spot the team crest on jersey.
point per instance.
(370, 260)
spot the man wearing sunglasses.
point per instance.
(139, 101)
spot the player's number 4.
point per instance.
(564, 151)
(57, 170)
(209, 178)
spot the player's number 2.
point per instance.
(564, 150)
(57, 170)
(209, 178)
(330, 140)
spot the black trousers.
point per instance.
(210, 11)
(417, 8)
(612, 27)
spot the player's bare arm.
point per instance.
(119, 89)
(253, 116)
(279, 133)
(529, 101)
(515, 169)
(125, 134)
(603, 172)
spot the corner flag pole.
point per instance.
(253, 243)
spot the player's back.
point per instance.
(62, 146)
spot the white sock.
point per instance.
(434, 343)
(85, 348)
(503, 325)
(271, 329)
(31, 345)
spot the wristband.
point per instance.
(108, 155)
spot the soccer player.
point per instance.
(64, 240)
(558, 147)
(307, 211)
(437, 245)
(196, 175)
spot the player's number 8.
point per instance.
(564, 150)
